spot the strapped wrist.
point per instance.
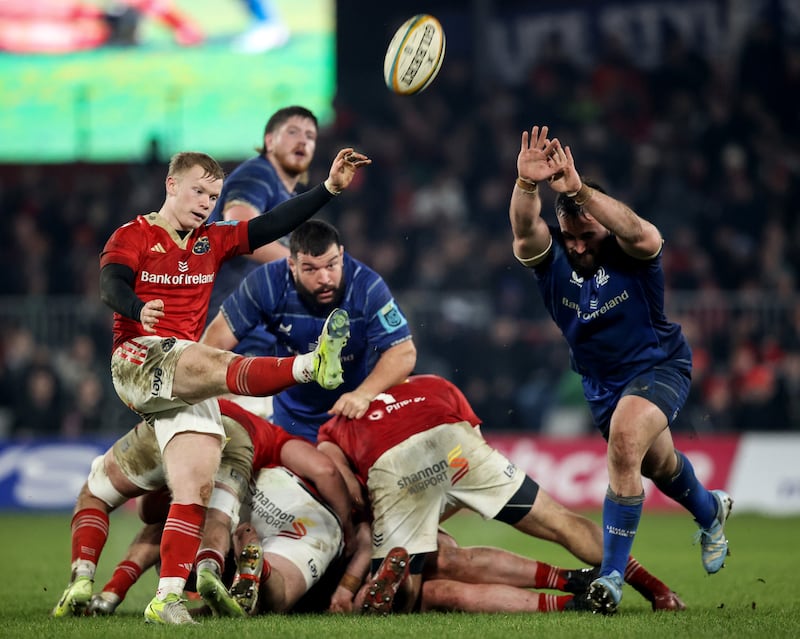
(582, 195)
(529, 187)
(350, 582)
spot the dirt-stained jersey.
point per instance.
(179, 271)
(421, 403)
(267, 438)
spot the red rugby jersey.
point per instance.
(421, 403)
(180, 272)
(267, 438)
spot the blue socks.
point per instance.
(621, 517)
(684, 488)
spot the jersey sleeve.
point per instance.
(386, 323)
(232, 236)
(124, 247)
(254, 189)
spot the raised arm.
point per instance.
(531, 234)
(635, 235)
(290, 214)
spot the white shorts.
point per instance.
(204, 417)
(138, 455)
(413, 484)
(143, 371)
(293, 523)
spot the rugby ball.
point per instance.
(415, 55)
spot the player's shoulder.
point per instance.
(257, 172)
(428, 381)
(362, 276)
(256, 164)
(138, 222)
(276, 270)
(136, 231)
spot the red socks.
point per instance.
(260, 376)
(552, 603)
(548, 576)
(181, 539)
(642, 581)
(213, 555)
(89, 534)
(125, 575)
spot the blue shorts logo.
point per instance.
(390, 317)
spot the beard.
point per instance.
(584, 265)
(292, 165)
(310, 298)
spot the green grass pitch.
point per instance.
(755, 595)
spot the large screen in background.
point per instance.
(114, 80)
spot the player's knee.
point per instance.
(447, 559)
(205, 492)
(100, 485)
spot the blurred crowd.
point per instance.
(707, 149)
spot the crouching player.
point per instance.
(420, 454)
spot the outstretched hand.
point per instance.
(566, 178)
(343, 169)
(534, 162)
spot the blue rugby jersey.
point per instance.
(614, 321)
(268, 296)
(256, 182)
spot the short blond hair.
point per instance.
(185, 160)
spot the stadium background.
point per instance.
(686, 110)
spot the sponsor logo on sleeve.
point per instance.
(390, 317)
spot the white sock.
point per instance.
(169, 586)
(210, 564)
(303, 368)
(83, 568)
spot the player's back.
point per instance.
(421, 403)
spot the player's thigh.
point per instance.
(294, 581)
(201, 373)
(232, 481)
(143, 372)
(135, 460)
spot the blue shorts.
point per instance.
(666, 386)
